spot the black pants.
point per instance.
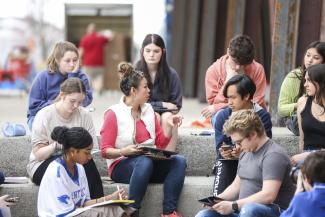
(292, 124)
(94, 181)
(225, 172)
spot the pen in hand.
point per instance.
(119, 194)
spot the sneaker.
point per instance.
(135, 213)
(173, 214)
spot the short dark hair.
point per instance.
(314, 167)
(75, 137)
(244, 84)
(242, 48)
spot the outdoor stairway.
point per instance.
(198, 150)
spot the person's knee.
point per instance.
(206, 213)
(144, 163)
(180, 161)
(165, 116)
(250, 209)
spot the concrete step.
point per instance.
(198, 150)
(195, 187)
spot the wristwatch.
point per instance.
(234, 206)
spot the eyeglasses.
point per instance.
(238, 142)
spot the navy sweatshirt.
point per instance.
(224, 114)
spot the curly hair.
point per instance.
(242, 48)
(129, 77)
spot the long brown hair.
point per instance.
(320, 48)
(58, 52)
(316, 75)
(163, 71)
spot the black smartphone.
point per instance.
(12, 199)
(210, 201)
(225, 147)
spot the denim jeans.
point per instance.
(248, 210)
(139, 171)
(30, 122)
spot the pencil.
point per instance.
(119, 194)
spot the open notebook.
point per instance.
(115, 202)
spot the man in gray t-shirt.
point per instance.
(262, 187)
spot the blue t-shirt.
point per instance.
(306, 204)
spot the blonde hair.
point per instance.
(244, 122)
(58, 52)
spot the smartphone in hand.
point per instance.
(225, 147)
(12, 199)
(210, 201)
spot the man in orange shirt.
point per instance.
(239, 59)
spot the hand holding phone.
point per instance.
(12, 199)
(226, 147)
(225, 151)
(210, 201)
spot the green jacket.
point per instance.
(288, 93)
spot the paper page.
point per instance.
(83, 209)
(16, 180)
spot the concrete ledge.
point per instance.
(198, 150)
(194, 189)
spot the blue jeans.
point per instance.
(214, 117)
(248, 210)
(139, 171)
(30, 122)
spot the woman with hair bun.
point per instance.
(132, 122)
(65, 111)
(64, 186)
